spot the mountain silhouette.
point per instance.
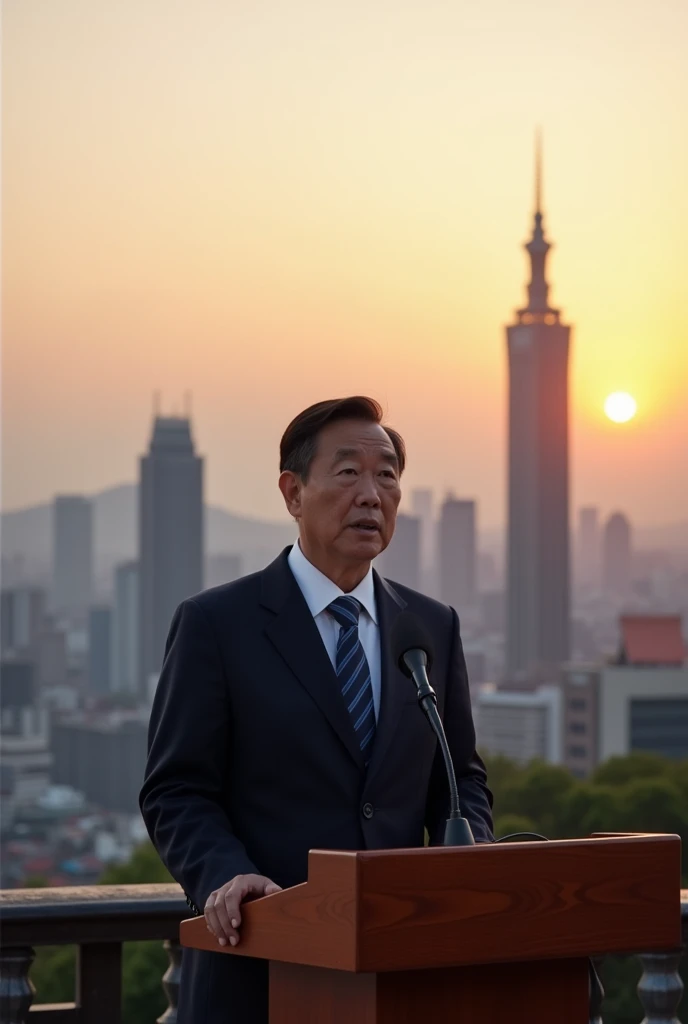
(27, 534)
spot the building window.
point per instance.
(578, 704)
(578, 728)
(660, 726)
(577, 751)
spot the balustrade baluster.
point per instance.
(596, 993)
(170, 982)
(16, 988)
(660, 987)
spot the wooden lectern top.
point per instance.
(394, 910)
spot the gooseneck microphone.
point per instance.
(412, 651)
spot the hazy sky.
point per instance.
(269, 203)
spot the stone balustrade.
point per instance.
(98, 919)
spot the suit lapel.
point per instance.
(395, 686)
(296, 637)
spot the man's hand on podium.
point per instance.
(222, 909)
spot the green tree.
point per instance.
(536, 794)
(500, 772)
(507, 824)
(54, 974)
(588, 808)
(638, 765)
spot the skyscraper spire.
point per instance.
(538, 170)
(538, 247)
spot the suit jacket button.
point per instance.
(368, 810)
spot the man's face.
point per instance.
(348, 506)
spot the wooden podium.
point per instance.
(497, 933)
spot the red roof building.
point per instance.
(652, 640)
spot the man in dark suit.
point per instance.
(280, 722)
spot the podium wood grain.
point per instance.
(398, 910)
(498, 934)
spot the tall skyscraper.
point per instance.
(456, 552)
(401, 560)
(538, 597)
(170, 535)
(126, 629)
(588, 547)
(616, 555)
(72, 556)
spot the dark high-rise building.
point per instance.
(538, 596)
(22, 618)
(103, 757)
(170, 535)
(72, 556)
(616, 555)
(400, 561)
(126, 629)
(100, 649)
(456, 554)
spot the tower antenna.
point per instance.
(538, 170)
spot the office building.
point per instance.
(99, 666)
(72, 557)
(126, 629)
(170, 536)
(538, 599)
(456, 550)
(638, 703)
(400, 561)
(102, 756)
(25, 759)
(22, 618)
(522, 726)
(52, 658)
(617, 555)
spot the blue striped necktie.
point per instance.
(353, 672)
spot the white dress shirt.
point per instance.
(319, 591)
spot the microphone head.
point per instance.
(409, 634)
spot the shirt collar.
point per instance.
(319, 590)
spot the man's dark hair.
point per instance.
(300, 440)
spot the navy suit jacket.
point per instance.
(253, 760)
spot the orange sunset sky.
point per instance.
(269, 203)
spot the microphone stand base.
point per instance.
(457, 832)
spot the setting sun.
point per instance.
(620, 406)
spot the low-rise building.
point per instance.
(640, 702)
(522, 726)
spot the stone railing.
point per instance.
(98, 919)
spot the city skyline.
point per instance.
(229, 210)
